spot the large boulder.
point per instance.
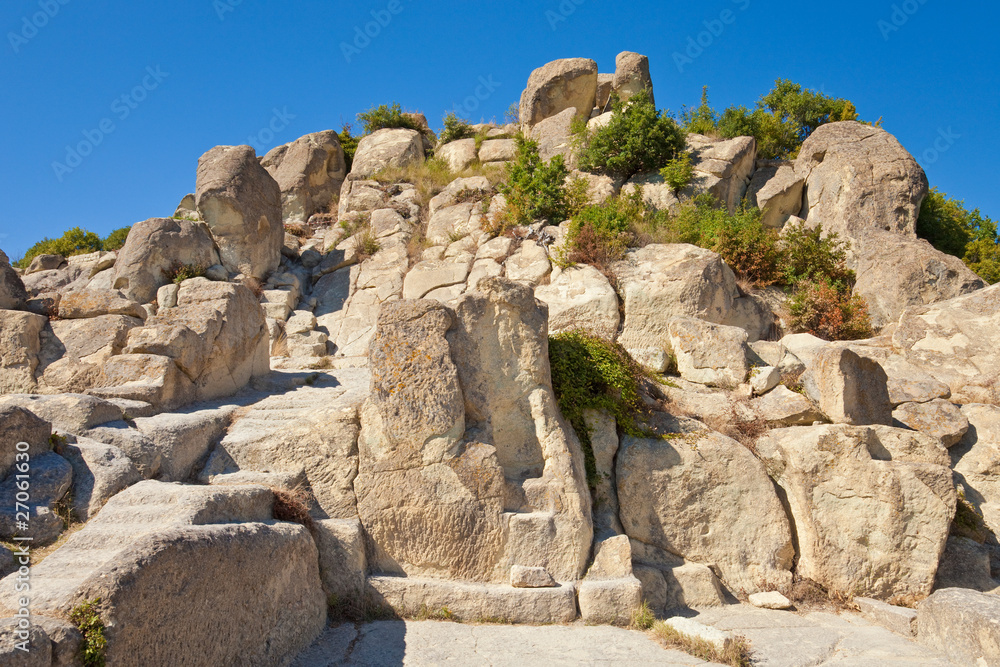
(73, 351)
(155, 543)
(709, 353)
(157, 247)
(20, 425)
(71, 413)
(632, 75)
(580, 297)
(20, 344)
(777, 191)
(659, 282)
(241, 203)
(955, 342)
(12, 292)
(722, 167)
(976, 462)
(849, 388)
(858, 180)
(386, 148)
(466, 467)
(216, 334)
(871, 506)
(89, 303)
(555, 136)
(692, 497)
(309, 171)
(895, 273)
(557, 86)
(962, 624)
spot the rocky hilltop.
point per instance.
(337, 384)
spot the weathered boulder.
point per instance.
(690, 496)
(50, 477)
(99, 472)
(95, 303)
(155, 249)
(342, 560)
(709, 353)
(777, 191)
(498, 150)
(787, 408)
(241, 203)
(605, 86)
(580, 297)
(871, 518)
(12, 292)
(152, 378)
(459, 155)
(858, 180)
(557, 86)
(462, 421)
(632, 75)
(529, 264)
(309, 171)
(73, 351)
(659, 282)
(848, 388)
(20, 425)
(965, 563)
(71, 413)
(386, 148)
(610, 593)
(45, 263)
(938, 418)
(722, 168)
(976, 462)
(430, 275)
(217, 336)
(962, 624)
(20, 344)
(154, 543)
(896, 273)
(555, 136)
(955, 342)
(187, 209)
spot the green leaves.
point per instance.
(968, 235)
(456, 128)
(385, 116)
(637, 139)
(535, 189)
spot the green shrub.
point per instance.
(456, 128)
(678, 172)
(385, 117)
(810, 256)
(115, 240)
(968, 235)
(637, 139)
(591, 373)
(76, 241)
(601, 233)
(534, 189)
(701, 120)
(828, 310)
(182, 272)
(86, 618)
(784, 118)
(349, 143)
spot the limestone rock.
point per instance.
(19, 347)
(188, 208)
(51, 477)
(580, 297)
(241, 203)
(955, 342)
(458, 154)
(342, 561)
(99, 472)
(848, 388)
(152, 378)
(12, 292)
(900, 620)
(896, 273)
(770, 600)
(45, 263)
(155, 543)
(687, 496)
(788, 408)
(386, 148)
(530, 577)
(20, 425)
(217, 336)
(529, 264)
(869, 521)
(309, 171)
(962, 624)
(631, 75)
(709, 353)
(555, 136)
(859, 179)
(557, 86)
(497, 150)
(722, 168)
(938, 418)
(965, 563)
(427, 276)
(976, 462)
(777, 191)
(94, 303)
(72, 413)
(154, 249)
(605, 86)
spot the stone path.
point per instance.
(779, 639)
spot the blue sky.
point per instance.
(148, 87)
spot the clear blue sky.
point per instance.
(222, 69)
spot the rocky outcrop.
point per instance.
(848, 388)
(309, 171)
(20, 345)
(859, 180)
(871, 517)
(557, 86)
(216, 335)
(632, 75)
(686, 495)
(962, 624)
(241, 203)
(153, 252)
(708, 353)
(483, 458)
(580, 297)
(12, 292)
(386, 148)
(777, 191)
(722, 168)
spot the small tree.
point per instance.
(534, 189)
(456, 128)
(385, 116)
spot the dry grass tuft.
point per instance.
(736, 653)
(292, 506)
